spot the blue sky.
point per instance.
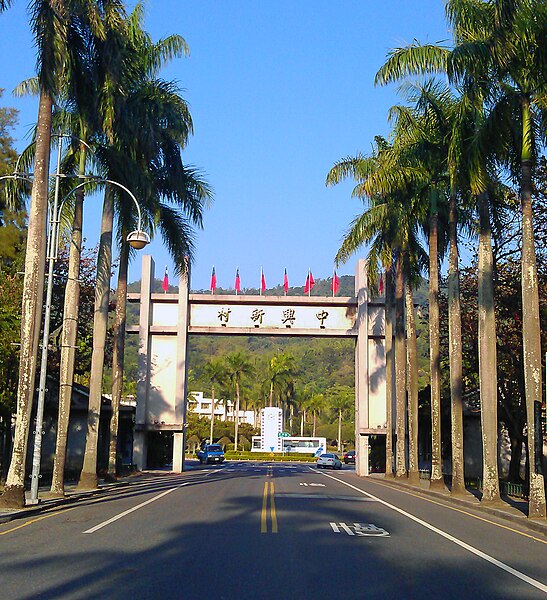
(278, 91)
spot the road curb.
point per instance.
(49, 503)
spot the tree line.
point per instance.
(461, 160)
(98, 80)
(288, 378)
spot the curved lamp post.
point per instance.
(138, 239)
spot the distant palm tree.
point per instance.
(316, 404)
(340, 398)
(215, 372)
(282, 371)
(238, 366)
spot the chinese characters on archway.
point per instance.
(288, 318)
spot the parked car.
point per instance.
(349, 457)
(211, 453)
(329, 460)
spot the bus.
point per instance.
(299, 445)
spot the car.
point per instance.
(211, 453)
(349, 457)
(329, 460)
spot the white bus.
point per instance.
(299, 445)
(305, 445)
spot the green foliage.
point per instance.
(12, 243)
(270, 456)
(11, 288)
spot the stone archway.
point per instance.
(166, 320)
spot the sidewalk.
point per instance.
(510, 509)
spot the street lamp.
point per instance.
(138, 239)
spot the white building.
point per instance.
(223, 410)
(272, 438)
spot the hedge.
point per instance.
(270, 456)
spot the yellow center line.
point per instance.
(460, 510)
(264, 515)
(272, 508)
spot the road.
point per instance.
(268, 531)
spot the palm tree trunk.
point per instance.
(291, 415)
(455, 353)
(314, 422)
(69, 337)
(389, 373)
(488, 373)
(412, 367)
(302, 419)
(339, 430)
(88, 476)
(436, 480)
(212, 414)
(31, 309)
(118, 358)
(400, 369)
(271, 393)
(531, 327)
(236, 424)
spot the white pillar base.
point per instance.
(140, 449)
(361, 461)
(178, 452)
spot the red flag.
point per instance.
(237, 284)
(262, 281)
(381, 286)
(335, 286)
(309, 283)
(213, 285)
(286, 282)
(165, 284)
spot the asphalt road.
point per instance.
(268, 531)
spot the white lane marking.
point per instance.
(462, 544)
(130, 510)
(336, 528)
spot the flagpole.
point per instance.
(309, 283)
(333, 276)
(260, 285)
(237, 273)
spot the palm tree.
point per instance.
(315, 403)
(156, 150)
(238, 366)
(69, 337)
(282, 371)
(56, 27)
(389, 226)
(131, 152)
(519, 58)
(465, 65)
(215, 372)
(341, 398)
